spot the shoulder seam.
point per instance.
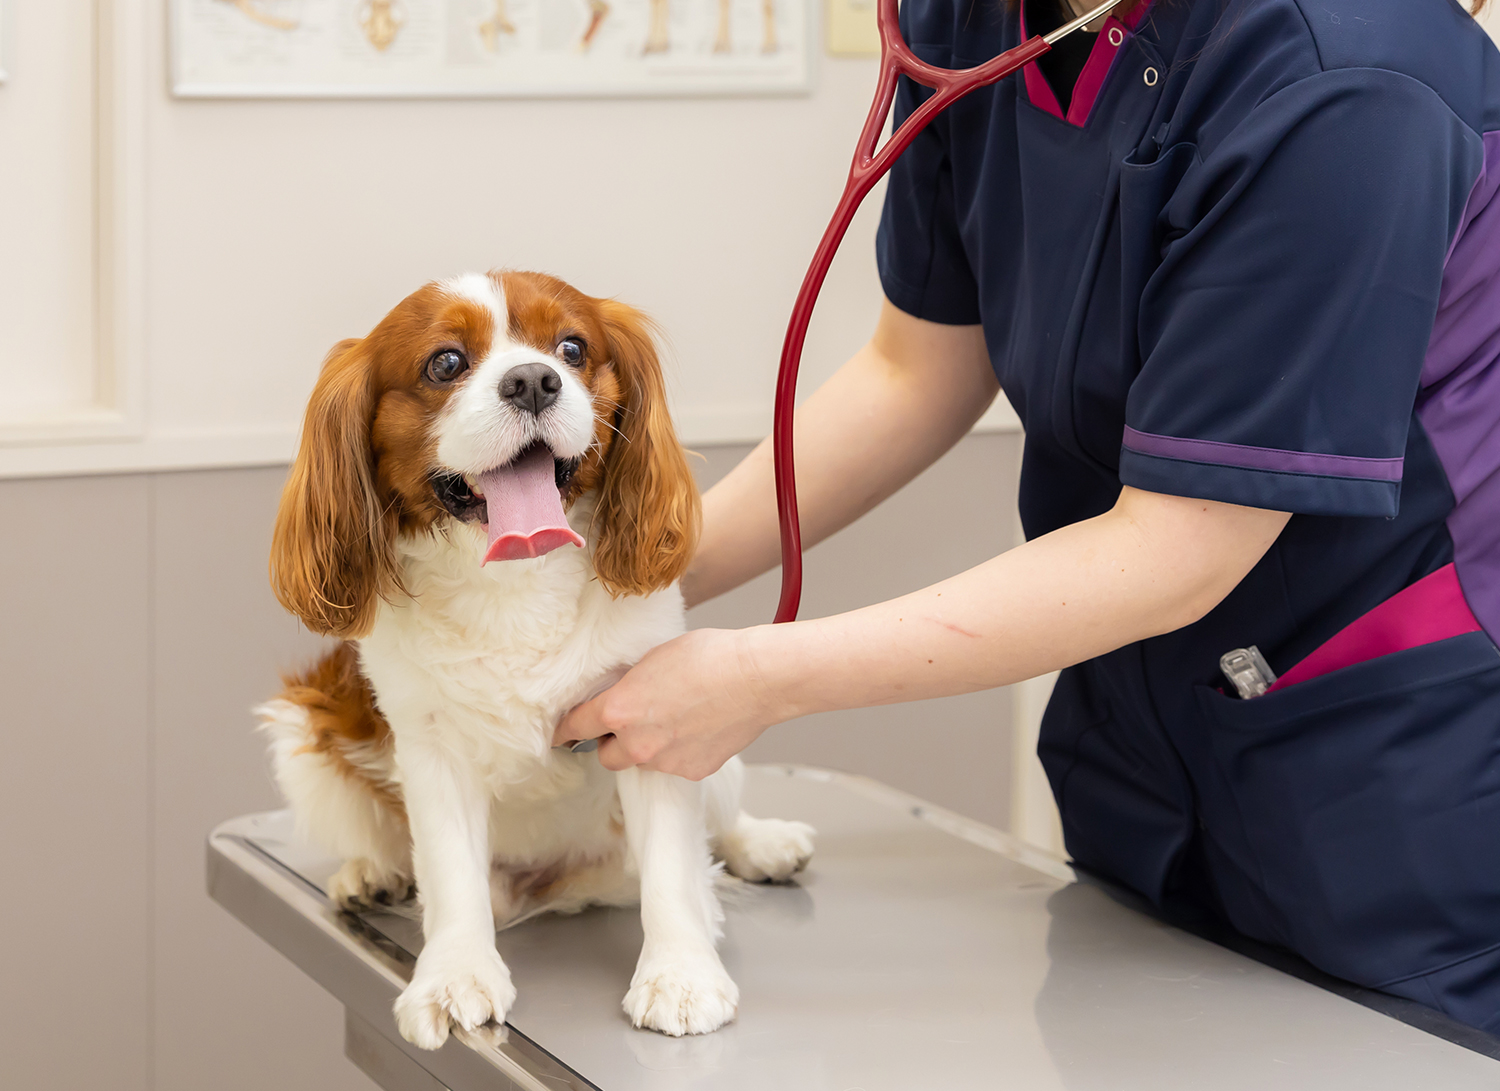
(1405, 76)
(1307, 23)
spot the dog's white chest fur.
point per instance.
(482, 662)
(493, 656)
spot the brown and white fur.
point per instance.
(419, 748)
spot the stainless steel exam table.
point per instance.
(918, 951)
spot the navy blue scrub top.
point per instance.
(1256, 261)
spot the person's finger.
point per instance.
(694, 768)
(585, 721)
(613, 755)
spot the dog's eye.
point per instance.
(570, 351)
(446, 366)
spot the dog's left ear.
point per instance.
(333, 552)
(646, 524)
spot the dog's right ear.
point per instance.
(332, 553)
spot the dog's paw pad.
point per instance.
(680, 999)
(363, 884)
(474, 993)
(761, 850)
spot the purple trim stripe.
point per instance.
(1263, 458)
(1459, 404)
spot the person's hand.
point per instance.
(686, 708)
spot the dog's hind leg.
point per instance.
(332, 755)
(757, 850)
(765, 850)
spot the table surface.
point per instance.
(919, 950)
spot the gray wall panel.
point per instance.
(231, 1013)
(75, 783)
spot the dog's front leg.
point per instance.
(680, 986)
(459, 977)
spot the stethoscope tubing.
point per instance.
(869, 166)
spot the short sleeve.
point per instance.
(1282, 336)
(923, 268)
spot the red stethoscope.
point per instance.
(869, 166)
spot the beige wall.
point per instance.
(954, 751)
(255, 234)
(136, 631)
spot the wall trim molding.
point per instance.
(152, 453)
(116, 407)
(274, 445)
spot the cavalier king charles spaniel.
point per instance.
(491, 509)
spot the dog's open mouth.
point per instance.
(518, 504)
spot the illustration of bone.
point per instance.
(381, 21)
(768, 43)
(658, 39)
(497, 24)
(264, 18)
(598, 9)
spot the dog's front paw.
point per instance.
(680, 995)
(364, 884)
(466, 985)
(761, 850)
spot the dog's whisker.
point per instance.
(612, 427)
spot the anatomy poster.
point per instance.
(412, 48)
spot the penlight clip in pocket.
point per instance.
(1248, 671)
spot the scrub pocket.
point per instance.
(1368, 800)
(1145, 189)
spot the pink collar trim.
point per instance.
(1091, 80)
(1432, 609)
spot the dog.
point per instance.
(490, 507)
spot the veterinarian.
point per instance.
(1236, 264)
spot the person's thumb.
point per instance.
(585, 720)
(581, 722)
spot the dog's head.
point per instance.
(493, 399)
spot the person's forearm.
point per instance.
(887, 414)
(1068, 596)
(1152, 564)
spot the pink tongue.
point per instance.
(525, 511)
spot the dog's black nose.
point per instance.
(531, 387)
